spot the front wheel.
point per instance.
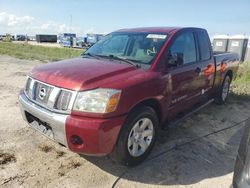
(137, 137)
(222, 95)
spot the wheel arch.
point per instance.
(230, 74)
(153, 103)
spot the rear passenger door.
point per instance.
(184, 68)
(206, 62)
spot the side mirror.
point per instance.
(175, 59)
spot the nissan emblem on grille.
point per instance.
(42, 93)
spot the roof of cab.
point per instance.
(150, 29)
(155, 29)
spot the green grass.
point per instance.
(243, 75)
(45, 54)
(241, 85)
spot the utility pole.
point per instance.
(70, 23)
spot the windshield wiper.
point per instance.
(114, 57)
(124, 60)
(91, 55)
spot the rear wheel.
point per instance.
(222, 95)
(137, 137)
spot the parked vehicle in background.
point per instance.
(93, 38)
(67, 42)
(46, 38)
(70, 40)
(115, 97)
(20, 37)
(66, 39)
(81, 42)
(241, 178)
(32, 38)
(65, 35)
(1, 37)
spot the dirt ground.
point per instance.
(200, 152)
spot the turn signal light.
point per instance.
(76, 140)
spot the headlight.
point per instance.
(97, 101)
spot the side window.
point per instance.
(183, 50)
(204, 46)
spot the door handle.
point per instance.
(198, 70)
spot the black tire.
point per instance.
(219, 98)
(121, 152)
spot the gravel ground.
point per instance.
(47, 44)
(200, 152)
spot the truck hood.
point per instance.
(80, 73)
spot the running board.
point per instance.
(180, 119)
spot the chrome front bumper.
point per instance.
(55, 120)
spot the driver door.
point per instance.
(184, 69)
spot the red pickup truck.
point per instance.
(115, 97)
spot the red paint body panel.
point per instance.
(151, 29)
(79, 73)
(99, 135)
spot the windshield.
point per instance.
(137, 47)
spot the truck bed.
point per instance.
(220, 56)
(227, 60)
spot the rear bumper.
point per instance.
(99, 135)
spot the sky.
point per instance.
(96, 16)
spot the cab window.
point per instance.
(183, 50)
(204, 46)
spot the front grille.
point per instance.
(28, 88)
(48, 96)
(63, 100)
(28, 84)
(42, 92)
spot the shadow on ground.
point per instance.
(240, 97)
(204, 146)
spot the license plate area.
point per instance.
(40, 125)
